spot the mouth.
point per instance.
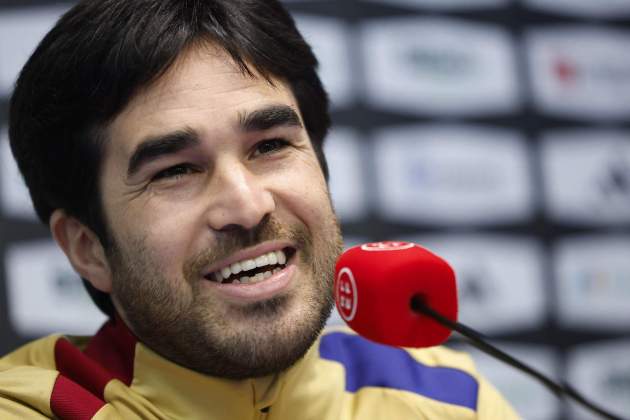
(253, 270)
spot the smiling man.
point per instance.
(222, 233)
(175, 150)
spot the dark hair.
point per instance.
(89, 66)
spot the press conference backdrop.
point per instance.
(495, 132)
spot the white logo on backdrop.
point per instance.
(580, 72)
(453, 175)
(344, 154)
(601, 371)
(423, 65)
(14, 198)
(500, 279)
(448, 4)
(530, 399)
(329, 39)
(593, 280)
(20, 32)
(609, 9)
(587, 176)
(45, 294)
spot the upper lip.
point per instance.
(248, 253)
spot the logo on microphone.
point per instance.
(387, 246)
(346, 294)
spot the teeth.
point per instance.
(236, 268)
(271, 258)
(248, 265)
(262, 261)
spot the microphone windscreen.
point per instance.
(374, 286)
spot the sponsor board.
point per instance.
(587, 176)
(499, 279)
(529, 398)
(593, 280)
(601, 372)
(329, 39)
(45, 294)
(447, 4)
(580, 71)
(421, 65)
(347, 183)
(453, 175)
(609, 9)
(20, 32)
(14, 197)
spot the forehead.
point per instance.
(204, 90)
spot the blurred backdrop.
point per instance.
(494, 132)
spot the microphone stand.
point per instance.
(418, 305)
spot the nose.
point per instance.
(238, 198)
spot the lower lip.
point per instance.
(253, 292)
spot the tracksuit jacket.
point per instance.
(343, 376)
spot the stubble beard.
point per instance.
(249, 341)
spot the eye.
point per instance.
(174, 172)
(270, 146)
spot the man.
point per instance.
(175, 150)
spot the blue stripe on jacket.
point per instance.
(368, 364)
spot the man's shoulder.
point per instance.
(27, 377)
(436, 373)
(338, 341)
(38, 353)
(444, 379)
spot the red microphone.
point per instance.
(376, 283)
(384, 289)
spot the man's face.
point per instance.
(208, 172)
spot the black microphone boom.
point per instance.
(418, 305)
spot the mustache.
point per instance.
(234, 238)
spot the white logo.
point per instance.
(602, 371)
(422, 65)
(387, 246)
(500, 278)
(599, 192)
(347, 187)
(593, 278)
(45, 294)
(329, 39)
(20, 32)
(453, 175)
(580, 72)
(599, 8)
(346, 294)
(14, 198)
(530, 398)
(448, 4)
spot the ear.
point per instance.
(83, 249)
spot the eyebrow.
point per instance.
(164, 144)
(153, 147)
(269, 117)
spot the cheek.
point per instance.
(305, 194)
(165, 233)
